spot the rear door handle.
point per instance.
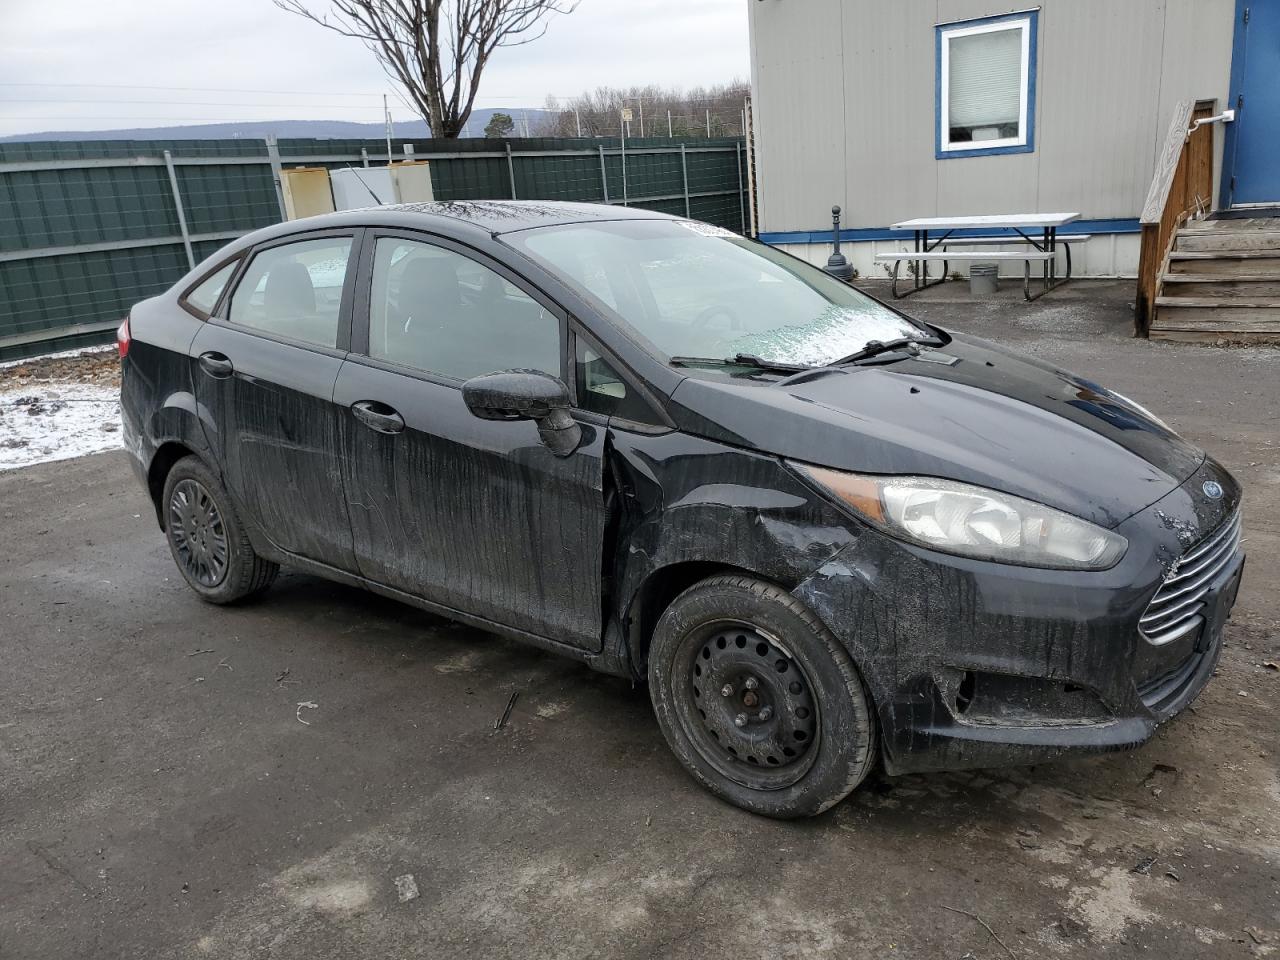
(216, 365)
(378, 416)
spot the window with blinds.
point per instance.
(984, 73)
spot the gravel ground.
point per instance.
(182, 781)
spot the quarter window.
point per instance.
(204, 296)
(443, 313)
(295, 290)
(986, 86)
(601, 389)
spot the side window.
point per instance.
(602, 390)
(204, 296)
(295, 290)
(441, 312)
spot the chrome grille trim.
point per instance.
(1178, 604)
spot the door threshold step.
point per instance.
(1225, 255)
(1221, 277)
(1218, 303)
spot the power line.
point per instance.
(323, 93)
(194, 103)
(144, 86)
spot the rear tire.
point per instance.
(207, 539)
(758, 699)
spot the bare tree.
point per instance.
(437, 49)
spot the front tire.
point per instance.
(207, 539)
(758, 699)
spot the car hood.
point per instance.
(970, 411)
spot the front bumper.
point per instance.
(977, 664)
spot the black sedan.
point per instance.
(826, 534)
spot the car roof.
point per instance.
(490, 217)
(505, 216)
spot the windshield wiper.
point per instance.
(876, 347)
(739, 360)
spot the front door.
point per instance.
(264, 373)
(476, 515)
(1253, 141)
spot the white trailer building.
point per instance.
(896, 109)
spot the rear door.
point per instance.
(476, 515)
(264, 369)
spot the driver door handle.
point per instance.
(216, 365)
(377, 416)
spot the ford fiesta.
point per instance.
(826, 534)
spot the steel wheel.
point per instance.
(747, 705)
(198, 534)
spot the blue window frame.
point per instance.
(985, 86)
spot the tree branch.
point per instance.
(437, 50)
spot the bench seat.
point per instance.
(994, 241)
(961, 255)
(1047, 257)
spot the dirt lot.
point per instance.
(179, 781)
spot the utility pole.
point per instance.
(577, 120)
(708, 123)
(641, 102)
(386, 116)
(668, 124)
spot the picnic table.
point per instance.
(933, 240)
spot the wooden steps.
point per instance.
(1221, 282)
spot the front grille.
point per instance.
(1178, 605)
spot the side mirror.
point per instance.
(526, 395)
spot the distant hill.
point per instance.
(301, 129)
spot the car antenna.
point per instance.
(376, 199)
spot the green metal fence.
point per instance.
(88, 228)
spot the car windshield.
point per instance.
(697, 291)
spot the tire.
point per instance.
(207, 539)
(816, 740)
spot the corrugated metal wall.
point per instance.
(89, 228)
(844, 103)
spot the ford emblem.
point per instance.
(1212, 489)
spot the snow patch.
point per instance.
(47, 423)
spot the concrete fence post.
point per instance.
(273, 156)
(604, 175)
(177, 203)
(742, 201)
(684, 177)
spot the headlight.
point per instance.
(972, 521)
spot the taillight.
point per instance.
(123, 339)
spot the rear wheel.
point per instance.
(758, 699)
(206, 538)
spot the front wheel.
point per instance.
(758, 699)
(206, 538)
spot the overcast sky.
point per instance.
(67, 64)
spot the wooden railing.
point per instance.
(1181, 188)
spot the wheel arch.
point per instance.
(166, 455)
(657, 591)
